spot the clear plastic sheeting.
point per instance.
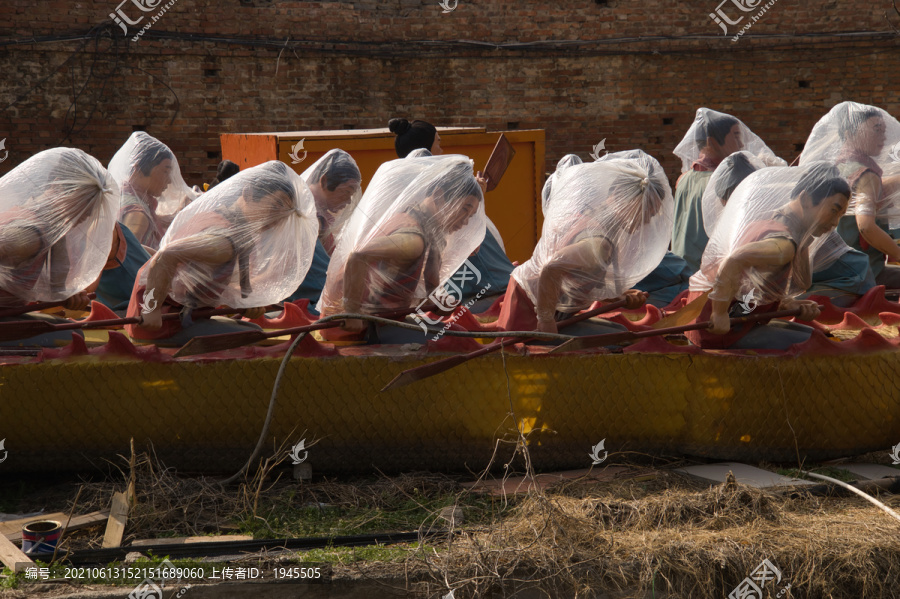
(564, 163)
(153, 190)
(727, 176)
(859, 138)
(57, 213)
(826, 249)
(779, 203)
(336, 196)
(248, 242)
(608, 225)
(417, 222)
(718, 130)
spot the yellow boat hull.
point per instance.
(207, 416)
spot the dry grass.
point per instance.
(676, 543)
(671, 537)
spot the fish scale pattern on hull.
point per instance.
(206, 416)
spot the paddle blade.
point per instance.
(211, 343)
(686, 315)
(593, 341)
(23, 329)
(413, 375)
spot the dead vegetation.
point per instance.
(666, 537)
(678, 542)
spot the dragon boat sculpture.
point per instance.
(76, 408)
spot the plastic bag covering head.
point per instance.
(858, 138)
(564, 162)
(337, 196)
(435, 199)
(151, 182)
(419, 153)
(608, 226)
(266, 216)
(773, 203)
(718, 130)
(727, 176)
(57, 213)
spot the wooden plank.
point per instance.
(12, 557)
(78, 522)
(11, 528)
(189, 540)
(118, 518)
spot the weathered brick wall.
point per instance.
(213, 66)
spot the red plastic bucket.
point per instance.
(40, 536)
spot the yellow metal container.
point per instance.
(514, 206)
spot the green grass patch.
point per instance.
(349, 555)
(286, 515)
(837, 473)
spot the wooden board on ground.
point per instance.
(11, 528)
(870, 471)
(12, 557)
(118, 518)
(189, 540)
(77, 523)
(522, 484)
(744, 474)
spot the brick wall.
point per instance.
(213, 66)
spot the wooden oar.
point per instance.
(210, 343)
(23, 329)
(407, 377)
(35, 307)
(615, 338)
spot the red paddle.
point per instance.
(407, 377)
(23, 329)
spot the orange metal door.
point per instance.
(514, 206)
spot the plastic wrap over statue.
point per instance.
(435, 199)
(57, 213)
(772, 203)
(607, 226)
(151, 185)
(267, 216)
(710, 124)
